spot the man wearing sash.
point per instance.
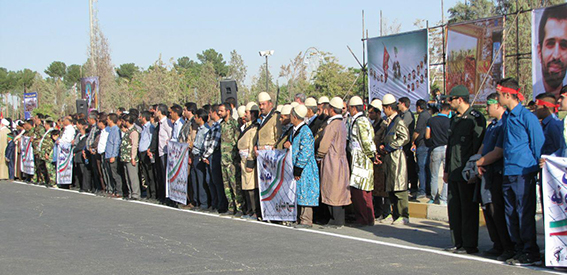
(245, 145)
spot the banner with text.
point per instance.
(471, 49)
(549, 53)
(30, 103)
(27, 159)
(398, 64)
(64, 163)
(89, 91)
(554, 179)
(277, 185)
(177, 171)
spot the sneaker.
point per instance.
(508, 254)
(431, 202)
(387, 219)
(401, 220)
(527, 260)
(513, 258)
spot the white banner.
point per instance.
(177, 171)
(555, 210)
(64, 163)
(278, 199)
(26, 159)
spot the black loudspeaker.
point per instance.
(82, 107)
(228, 89)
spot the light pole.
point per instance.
(266, 54)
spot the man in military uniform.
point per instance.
(129, 156)
(44, 141)
(37, 133)
(229, 156)
(465, 137)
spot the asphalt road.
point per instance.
(52, 231)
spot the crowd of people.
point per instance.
(353, 162)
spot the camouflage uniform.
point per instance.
(229, 155)
(126, 147)
(47, 149)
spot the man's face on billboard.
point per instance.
(553, 52)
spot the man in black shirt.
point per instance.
(418, 146)
(436, 136)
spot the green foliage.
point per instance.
(46, 109)
(73, 75)
(332, 79)
(472, 10)
(56, 69)
(215, 58)
(127, 71)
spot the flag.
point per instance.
(385, 65)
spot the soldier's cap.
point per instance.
(241, 111)
(310, 102)
(300, 110)
(337, 102)
(323, 100)
(377, 103)
(355, 101)
(286, 109)
(459, 91)
(252, 106)
(263, 97)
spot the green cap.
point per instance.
(459, 91)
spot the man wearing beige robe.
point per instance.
(335, 172)
(4, 131)
(245, 146)
(270, 126)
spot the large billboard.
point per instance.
(472, 47)
(89, 91)
(549, 49)
(398, 64)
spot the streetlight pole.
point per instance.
(266, 54)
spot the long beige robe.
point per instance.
(245, 146)
(3, 143)
(335, 172)
(395, 168)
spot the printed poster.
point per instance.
(277, 185)
(177, 171)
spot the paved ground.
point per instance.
(52, 231)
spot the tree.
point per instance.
(259, 85)
(26, 79)
(127, 71)
(295, 74)
(215, 59)
(56, 69)
(472, 10)
(73, 75)
(207, 85)
(332, 79)
(236, 68)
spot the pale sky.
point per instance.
(35, 33)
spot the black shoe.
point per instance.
(508, 254)
(493, 252)
(463, 250)
(527, 260)
(451, 249)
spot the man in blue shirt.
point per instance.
(146, 166)
(521, 140)
(198, 167)
(546, 110)
(490, 168)
(111, 153)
